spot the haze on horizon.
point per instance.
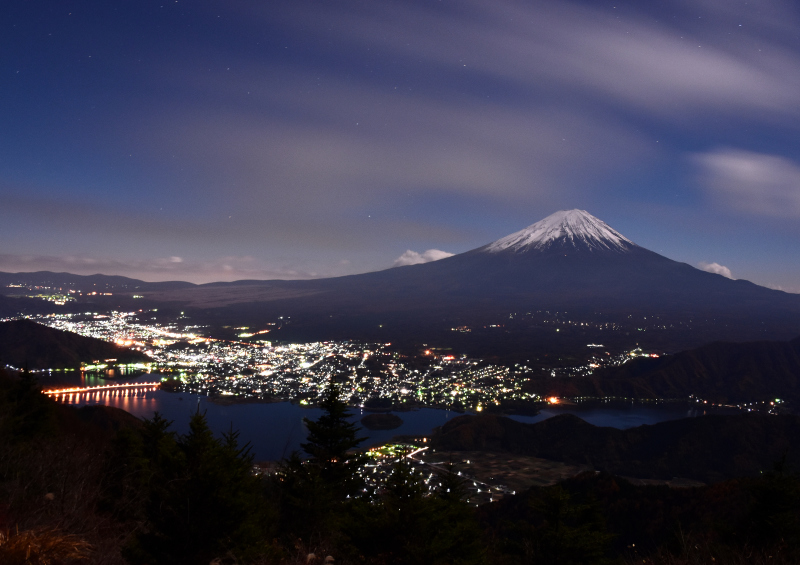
(208, 141)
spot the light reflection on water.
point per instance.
(142, 403)
(58, 379)
(275, 430)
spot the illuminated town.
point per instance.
(301, 372)
(261, 370)
(370, 375)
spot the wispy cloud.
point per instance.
(413, 258)
(753, 183)
(280, 129)
(784, 288)
(354, 144)
(667, 67)
(715, 268)
(470, 102)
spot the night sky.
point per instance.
(202, 141)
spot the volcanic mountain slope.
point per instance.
(570, 261)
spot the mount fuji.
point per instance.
(565, 230)
(570, 263)
(569, 272)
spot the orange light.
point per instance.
(104, 388)
(553, 400)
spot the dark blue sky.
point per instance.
(223, 140)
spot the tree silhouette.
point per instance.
(29, 412)
(203, 500)
(775, 512)
(570, 533)
(409, 525)
(330, 441)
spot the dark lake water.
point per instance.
(275, 430)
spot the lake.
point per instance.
(275, 430)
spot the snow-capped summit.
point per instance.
(566, 228)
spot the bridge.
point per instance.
(114, 387)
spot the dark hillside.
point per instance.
(640, 517)
(707, 448)
(24, 342)
(54, 477)
(124, 498)
(10, 307)
(722, 372)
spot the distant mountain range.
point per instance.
(23, 342)
(706, 448)
(570, 263)
(65, 281)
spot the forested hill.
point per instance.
(40, 347)
(721, 372)
(706, 448)
(96, 485)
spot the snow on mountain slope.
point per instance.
(577, 228)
